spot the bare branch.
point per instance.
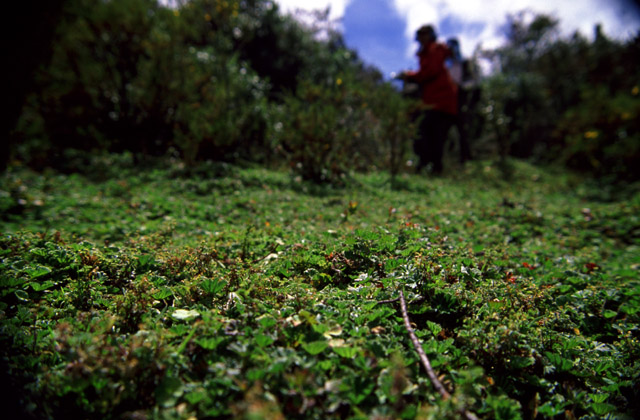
(394, 300)
(381, 302)
(423, 357)
(425, 360)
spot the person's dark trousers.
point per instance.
(433, 131)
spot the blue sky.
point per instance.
(382, 30)
(376, 31)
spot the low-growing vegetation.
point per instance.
(206, 213)
(224, 292)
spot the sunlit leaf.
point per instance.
(214, 286)
(37, 287)
(263, 340)
(347, 352)
(209, 343)
(315, 347)
(22, 295)
(163, 293)
(38, 271)
(185, 314)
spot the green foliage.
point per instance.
(164, 296)
(133, 76)
(326, 132)
(207, 81)
(602, 133)
(565, 99)
(317, 130)
(224, 113)
(237, 81)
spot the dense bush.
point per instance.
(326, 132)
(239, 81)
(129, 75)
(566, 100)
(209, 80)
(90, 97)
(602, 133)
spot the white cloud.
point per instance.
(337, 6)
(480, 22)
(581, 15)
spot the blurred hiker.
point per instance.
(439, 95)
(455, 62)
(462, 73)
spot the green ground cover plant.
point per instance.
(224, 292)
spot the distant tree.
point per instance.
(26, 44)
(522, 95)
(565, 98)
(207, 80)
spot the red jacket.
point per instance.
(439, 91)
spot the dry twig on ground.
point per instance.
(425, 360)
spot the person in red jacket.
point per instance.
(439, 95)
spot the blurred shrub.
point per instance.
(239, 81)
(315, 131)
(210, 80)
(325, 132)
(89, 96)
(129, 75)
(223, 111)
(396, 129)
(33, 24)
(602, 133)
(548, 92)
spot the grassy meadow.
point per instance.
(226, 292)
